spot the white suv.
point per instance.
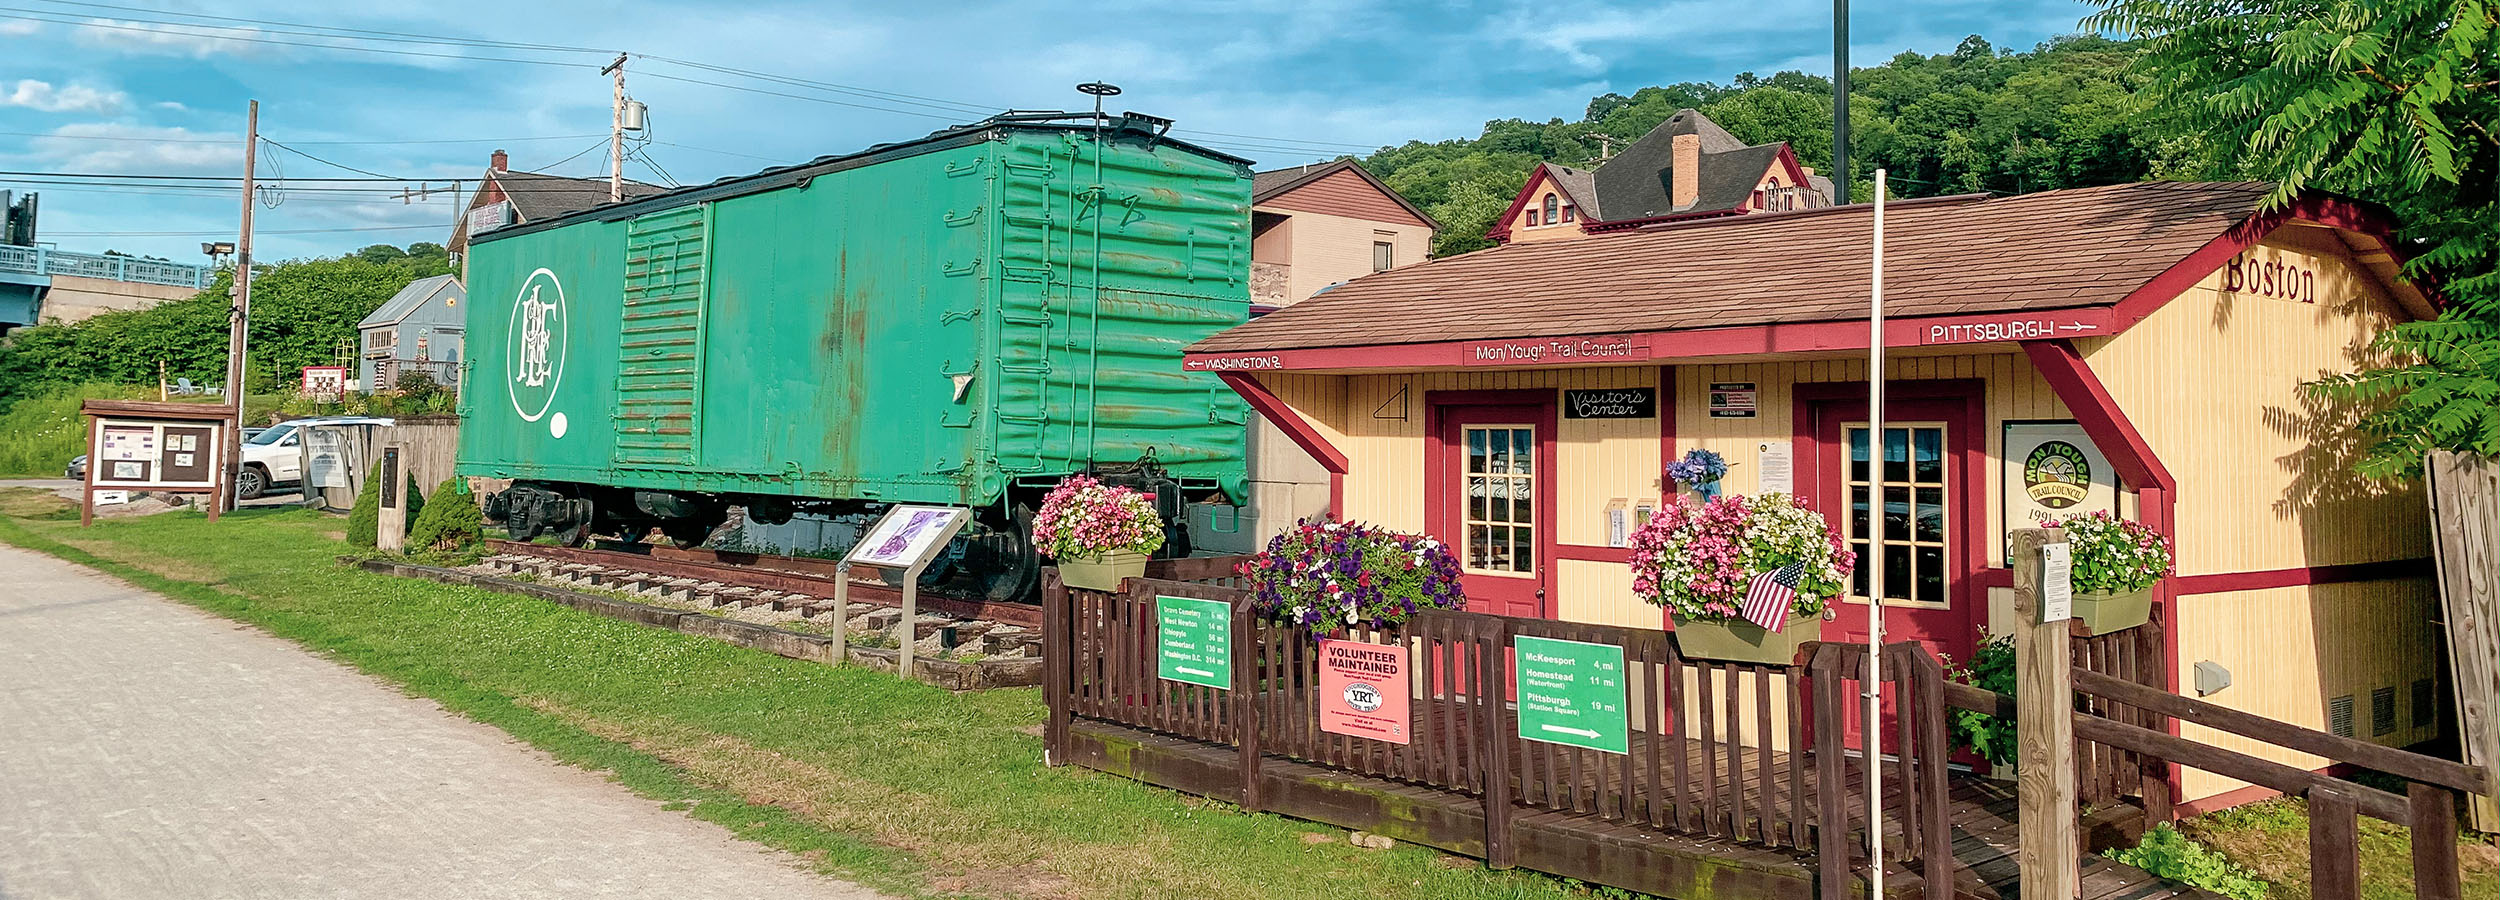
(276, 456)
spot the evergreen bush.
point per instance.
(364, 521)
(452, 522)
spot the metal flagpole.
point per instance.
(1872, 727)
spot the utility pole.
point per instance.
(1840, 101)
(1605, 145)
(616, 132)
(239, 319)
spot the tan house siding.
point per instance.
(1327, 249)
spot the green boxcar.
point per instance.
(962, 319)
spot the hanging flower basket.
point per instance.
(1699, 471)
(1323, 576)
(2116, 565)
(1699, 561)
(1100, 535)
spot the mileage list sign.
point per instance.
(1571, 693)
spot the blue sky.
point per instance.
(123, 88)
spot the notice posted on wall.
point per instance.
(1778, 468)
(126, 442)
(1363, 690)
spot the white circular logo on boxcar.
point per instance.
(534, 346)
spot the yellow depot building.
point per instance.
(1521, 402)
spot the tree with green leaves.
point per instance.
(2390, 101)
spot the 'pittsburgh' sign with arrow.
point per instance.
(2038, 327)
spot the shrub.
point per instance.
(364, 521)
(452, 522)
(1991, 668)
(2113, 555)
(1083, 518)
(1699, 561)
(2167, 853)
(1323, 575)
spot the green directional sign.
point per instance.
(1195, 642)
(1571, 693)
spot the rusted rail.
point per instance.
(794, 575)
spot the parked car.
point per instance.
(275, 455)
(77, 468)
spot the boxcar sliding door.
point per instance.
(659, 370)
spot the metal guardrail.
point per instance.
(47, 261)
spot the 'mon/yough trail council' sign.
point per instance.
(1571, 693)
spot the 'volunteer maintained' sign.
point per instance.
(1194, 643)
(1571, 693)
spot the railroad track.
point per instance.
(801, 581)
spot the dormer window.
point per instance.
(1532, 218)
(1550, 206)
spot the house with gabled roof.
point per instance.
(1686, 168)
(506, 197)
(420, 329)
(1328, 223)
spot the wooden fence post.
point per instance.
(1246, 686)
(1490, 694)
(2464, 492)
(1831, 836)
(2044, 703)
(1058, 664)
(2334, 844)
(2155, 771)
(2433, 812)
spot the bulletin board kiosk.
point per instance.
(135, 445)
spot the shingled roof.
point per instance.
(535, 196)
(1946, 255)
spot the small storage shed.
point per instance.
(418, 330)
(2138, 348)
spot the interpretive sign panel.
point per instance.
(1194, 641)
(908, 535)
(1363, 690)
(1571, 693)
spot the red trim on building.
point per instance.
(1592, 553)
(2347, 573)
(1666, 431)
(1294, 426)
(2156, 489)
(1793, 337)
(1438, 476)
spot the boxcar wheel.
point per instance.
(1007, 568)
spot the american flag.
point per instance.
(1770, 595)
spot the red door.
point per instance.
(1490, 496)
(1926, 479)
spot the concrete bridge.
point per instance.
(42, 284)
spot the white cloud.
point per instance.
(43, 96)
(143, 37)
(115, 148)
(19, 27)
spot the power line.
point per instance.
(217, 233)
(254, 40)
(238, 140)
(262, 24)
(826, 100)
(334, 165)
(769, 159)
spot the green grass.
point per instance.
(2270, 839)
(898, 785)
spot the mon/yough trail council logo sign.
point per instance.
(2057, 474)
(534, 348)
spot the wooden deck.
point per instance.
(1591, 846)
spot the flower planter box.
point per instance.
(2102, 613)
(1102, 573)
(1736, 640)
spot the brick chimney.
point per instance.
(1685, 189)
(499, 162)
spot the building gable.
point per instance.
(1344, 189)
